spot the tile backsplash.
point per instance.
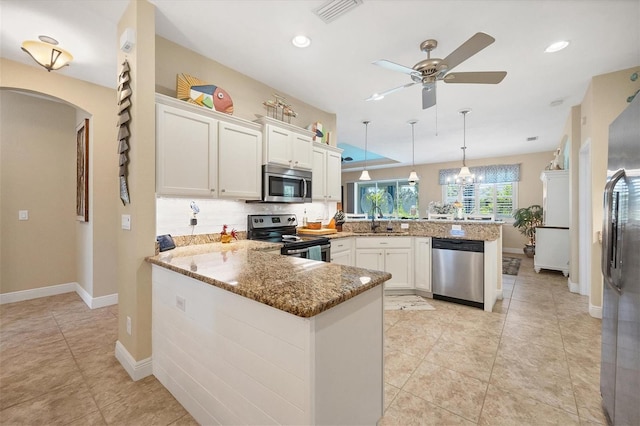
(173, 214)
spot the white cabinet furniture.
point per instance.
(200, 152)
(342, 251)
(422, 258)
(555, 197)
(327, 172)
(552, 239)
(389, 254)
(286, 145)
(552, 249)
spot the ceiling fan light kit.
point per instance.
(431, 70)
(365, 174)
(47, 53)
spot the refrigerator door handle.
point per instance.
(607, 243)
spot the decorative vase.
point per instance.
(529, 250)
(226, 238)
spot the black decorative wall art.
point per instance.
(124, 104)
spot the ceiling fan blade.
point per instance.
(428, 96)
(467, 49)
(395, 67)
(378, 96)
(480, 77)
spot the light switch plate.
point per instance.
(23, 214)
(456, 228)
(126, 222)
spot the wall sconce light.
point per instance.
(46, 53)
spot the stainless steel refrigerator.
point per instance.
(620, 362)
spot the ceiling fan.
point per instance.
(428, 71)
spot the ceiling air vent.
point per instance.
(333, 9)
(532, 138)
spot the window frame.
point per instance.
(381, 184)
(464, 198)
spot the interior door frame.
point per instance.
(585, 218)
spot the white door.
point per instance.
(399, 263)
(370, 259)
(318, 180)
(302, 152)
(342, 258)
(422, 260)
(278, 150)
(333, 174)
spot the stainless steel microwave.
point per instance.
(282, 185)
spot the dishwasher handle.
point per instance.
(457, 244)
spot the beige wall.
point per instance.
(134, 274)
(605, 99)
(529, 187)
(38, 166)
(247, 93)
(97, 101)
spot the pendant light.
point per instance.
(413, 176)
(365, 173)
(465, 174)
(47, 53)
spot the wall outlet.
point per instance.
(23, 214)
(181, 303)
(404, 226)
(129, 326)
(456, 227)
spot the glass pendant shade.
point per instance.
(464, 172)
(365, 175)
(47, 55)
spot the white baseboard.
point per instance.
(573, 287)
(97, 302)
(595, 311)
(512, 250)
(36, 293)
(137, 369)
(499, 294)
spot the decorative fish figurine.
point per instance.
(196, 91)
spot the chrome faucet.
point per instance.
(375, 225)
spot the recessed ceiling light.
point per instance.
(557, 46)
(301, 41)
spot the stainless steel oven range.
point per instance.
(282, 228)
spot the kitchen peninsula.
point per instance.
(244, 335)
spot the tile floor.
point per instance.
(534, 360)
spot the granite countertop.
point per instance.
(298, 286)
(469, 230)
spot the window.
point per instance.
(498, 199)
(395, 198)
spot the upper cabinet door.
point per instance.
(318, 180)
(301, 152)
(186, 153)
(334, 176)
(239, 162)
(278, 146)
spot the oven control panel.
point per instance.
(272, 221)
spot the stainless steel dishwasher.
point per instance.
(457, 271)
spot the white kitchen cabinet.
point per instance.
(555, 197)
(552, 249)
(186, 149)
(422, 259)
(200, 152)
(342, 251)
(239, 160)
(327, 173)
(286, 145)
(389, 254)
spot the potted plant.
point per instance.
(526, 220)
